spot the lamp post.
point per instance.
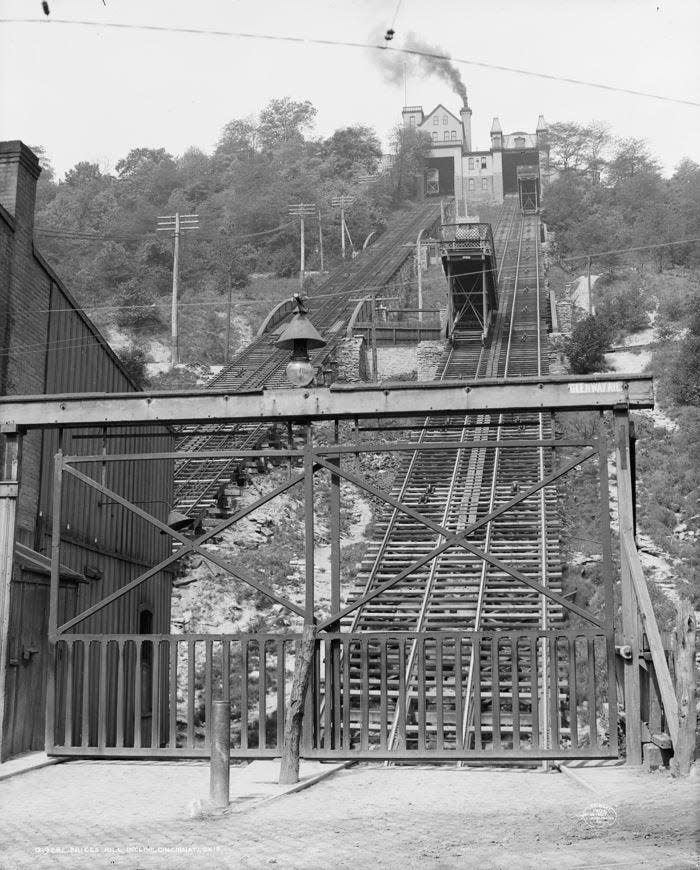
(299, 337)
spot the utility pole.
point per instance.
(419, 275)
(588, 273)
(176, 223)
(320, 238)
(342, 202)
(302, 210)
(228, 321)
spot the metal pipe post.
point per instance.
(303, 264)
(220, 764)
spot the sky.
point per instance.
(95, 92)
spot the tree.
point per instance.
(578, 147)
(238, 139)
(410, 148)
(284, 120)
(631, 157)
(587, 344)
(352, 149)
(82, 174)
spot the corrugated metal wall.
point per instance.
(97, 532)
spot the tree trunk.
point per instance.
(684, 655)
(289, 767)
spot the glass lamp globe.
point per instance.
(300, 372)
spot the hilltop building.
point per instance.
(456, 168)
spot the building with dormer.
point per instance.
(514, 162)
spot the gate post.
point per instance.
(630, 619)
(9, 490)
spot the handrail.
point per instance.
(663, 675)
(277, 315)
(356, 315)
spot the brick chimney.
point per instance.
(465, 114)
(19, 170)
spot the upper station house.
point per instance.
(516, 163)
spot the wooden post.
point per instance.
(9, 490)
(630, 624)
(289, 767)
(300, 701)
(334, 663)
(684, 655)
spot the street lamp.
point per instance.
(299, 336)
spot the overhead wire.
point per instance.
(309, 40)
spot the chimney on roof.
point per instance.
(19, 170)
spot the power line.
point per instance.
(307, 40)
(87, 235)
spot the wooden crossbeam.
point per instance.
(458, 540)
(340, 401)
(188, 546)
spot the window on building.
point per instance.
(519, 141)
(484, 184)
(436, 121)
(435, 136)
(471, 184)
(483, 163)
(453, 134)
(444, 119)
(412, 120)
(446, 136)
(471, 162)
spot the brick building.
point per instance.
(48, 345)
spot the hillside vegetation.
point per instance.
(97, 226)
(641, 230)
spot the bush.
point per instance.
(134, 360)
(685, 374)
(586, 347)
(136, 307)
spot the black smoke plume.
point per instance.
(429, 59)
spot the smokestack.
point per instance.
(465, 114)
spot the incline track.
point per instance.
(457, 489)
(262, 364)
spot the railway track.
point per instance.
(459, 591)
(261, 364)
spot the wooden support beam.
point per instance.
(630, 632)
(663, 675)
(587, 392)
(9, 489)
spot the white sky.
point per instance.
(94, 93)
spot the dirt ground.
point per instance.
(139, 816)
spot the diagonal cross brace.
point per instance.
(458, 539)
(188, 546)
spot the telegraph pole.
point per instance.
(302, 210)
(176, 223)
(320, 238)
(342, 202)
